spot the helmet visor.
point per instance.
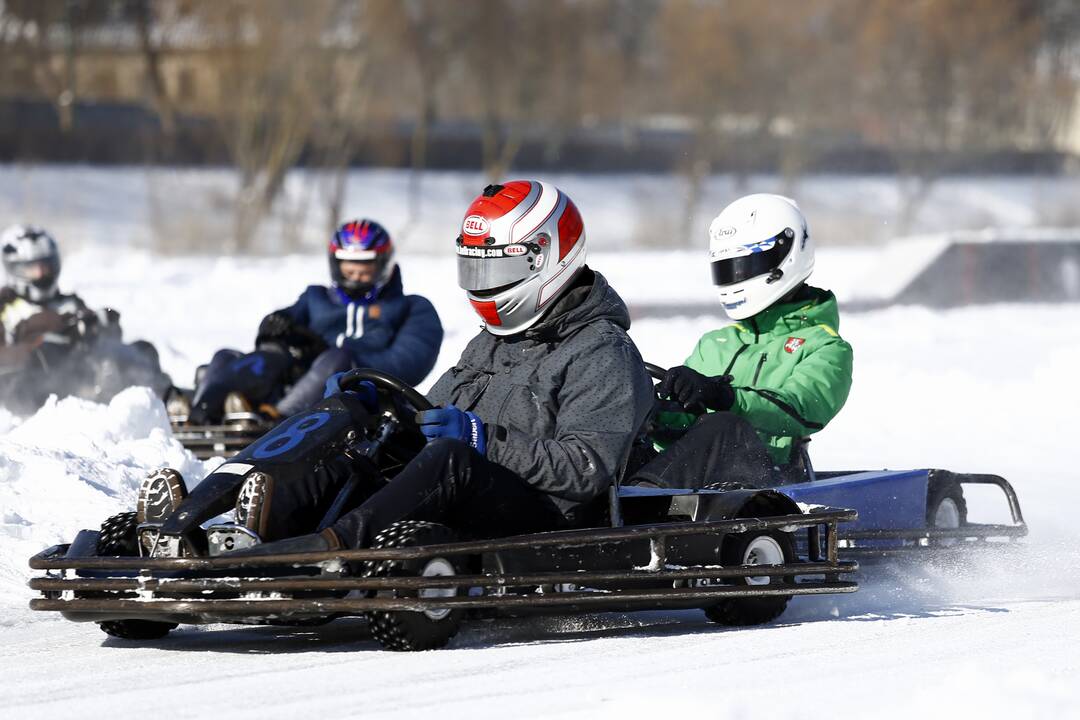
(759, 262)
(38, 272)
(485, 273)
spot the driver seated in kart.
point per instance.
(534, 421)
(755, 388)
(52, 343)
(363, 319)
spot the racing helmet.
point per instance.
(521, 244)
(31, 261)
(760, 250)
(361, 241)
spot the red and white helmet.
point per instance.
(520, 246)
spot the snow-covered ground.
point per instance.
(982, 389)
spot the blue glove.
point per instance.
(452, 422)
(365, 390)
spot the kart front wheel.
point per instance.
(411, 630)
(117, 537)
(753, 548)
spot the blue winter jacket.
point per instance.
(394, 332)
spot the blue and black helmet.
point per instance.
(364, 241)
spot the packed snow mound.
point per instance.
(71, 465)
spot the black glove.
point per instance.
(80, 325)
(274, 326)
(696, 391)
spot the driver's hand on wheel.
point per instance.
(692, 389)
(453, 422)
(364, 390)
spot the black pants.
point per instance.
(719, 447)
(450, 483)
(261, 377)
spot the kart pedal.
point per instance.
(253, 502)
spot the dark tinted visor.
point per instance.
(35, 271)
(734, 270)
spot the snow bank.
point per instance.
(70, 466)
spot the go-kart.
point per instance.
(899, 511)
(740, 555)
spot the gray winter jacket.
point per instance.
(561, 402)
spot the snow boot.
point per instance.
(253, 502)
(177, 406)
(160, 494)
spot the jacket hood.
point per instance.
(809, 306)
(590, 299)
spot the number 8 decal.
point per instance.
(289, 437)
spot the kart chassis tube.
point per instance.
(976, 531)
(204, 606)
(190, 608)
(560, 539)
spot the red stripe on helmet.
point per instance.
(570, 227)
(486, 309)
(492, 208)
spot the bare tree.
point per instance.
(47, 34)
(934, 75)
(271, 61)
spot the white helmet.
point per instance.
(32, 262)
(760, 250)
(521, 244)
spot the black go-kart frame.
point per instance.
(740, 555)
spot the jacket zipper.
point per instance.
(740, 351)
(757, 373)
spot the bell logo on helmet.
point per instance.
(475, 225)
(520, 248)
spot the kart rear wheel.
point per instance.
(403, 629)
(945, 508)
(117, 537)
(753, 548)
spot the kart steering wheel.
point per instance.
(655, 371)
(387, 387)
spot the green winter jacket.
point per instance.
(791, 369)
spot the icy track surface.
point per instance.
(987, 389)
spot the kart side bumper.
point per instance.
(308, 585)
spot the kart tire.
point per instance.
(136, 629)
(753, 548)
(945, 508)
(945, 505)
(117, 537)
(405, 630)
